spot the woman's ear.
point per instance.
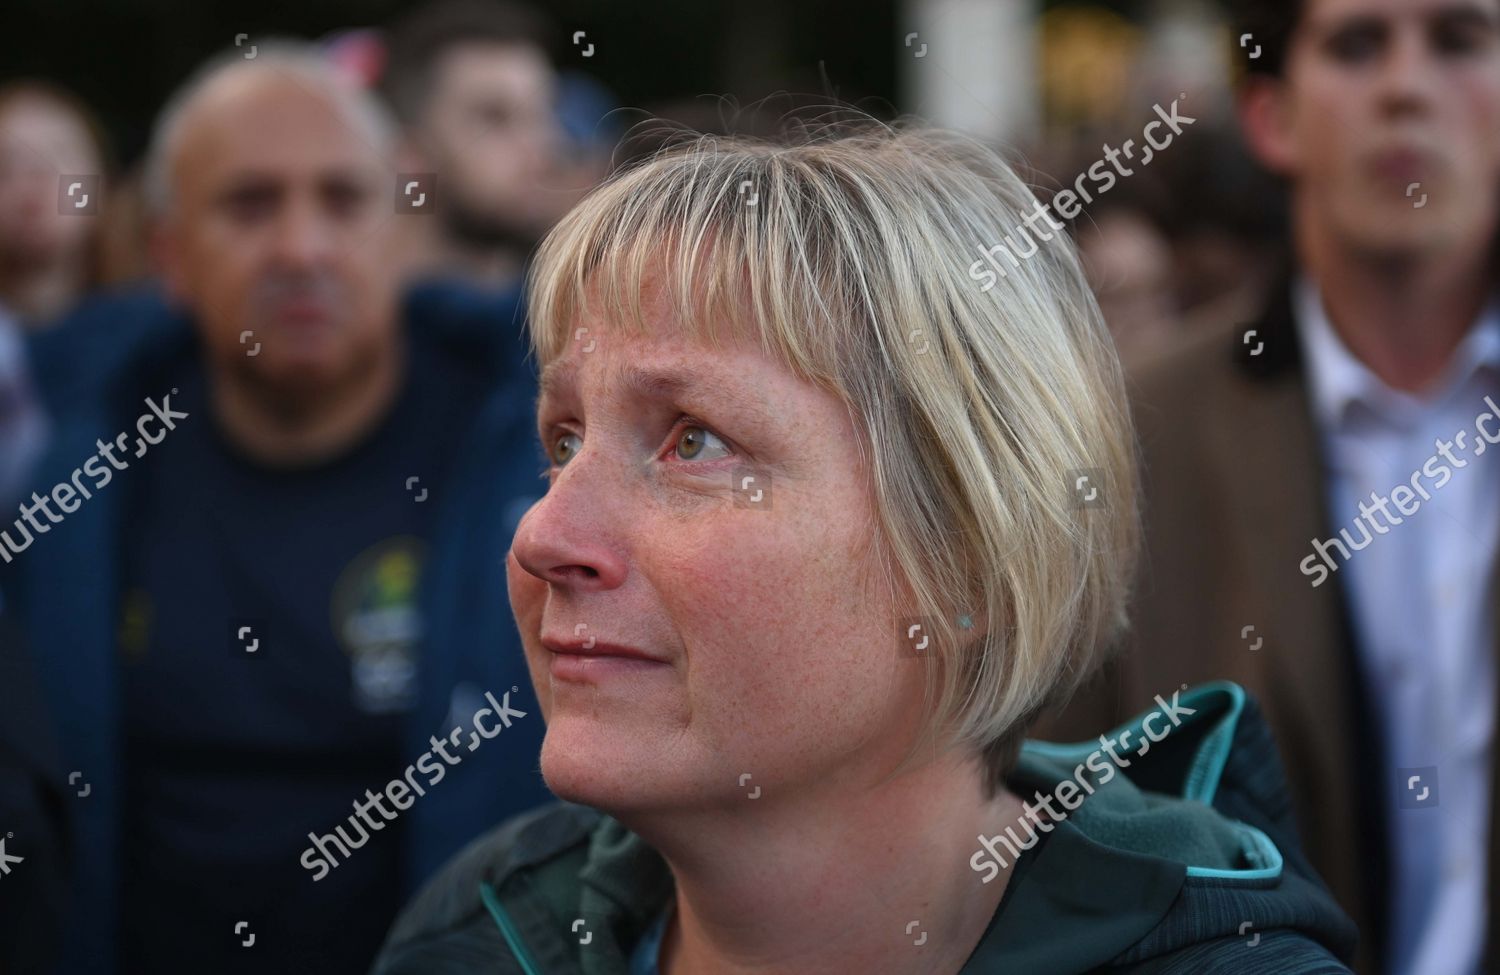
(1265, 119)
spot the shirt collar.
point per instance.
(1337, 379)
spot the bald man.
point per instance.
(277, 221)
(270, 619)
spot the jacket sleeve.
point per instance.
(1276, 953)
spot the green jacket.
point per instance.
(1184, 861)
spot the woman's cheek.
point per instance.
(524, 588)
(528, 601)
(746, 568)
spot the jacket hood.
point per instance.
(1185, 850)
(1171, 850)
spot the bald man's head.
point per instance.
(293, 62)
(276, 196)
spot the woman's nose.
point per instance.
(568, 538)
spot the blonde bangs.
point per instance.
(739, 238)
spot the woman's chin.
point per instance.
(604, 771)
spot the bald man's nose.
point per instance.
(303, 236)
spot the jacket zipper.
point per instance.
(508, 929)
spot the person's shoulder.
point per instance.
(486, 327)
(1224, 358)
(446, 926)
(1191, 362)
(1282, 952)
(105, 335)
(1201, 788)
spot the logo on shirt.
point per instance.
(378, 623)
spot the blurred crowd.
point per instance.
(265, 408)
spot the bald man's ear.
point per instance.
(1265, 118)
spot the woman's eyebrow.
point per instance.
(554, 375)
(692, 384)
(656, 383)
(663, 383)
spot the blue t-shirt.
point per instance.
(269, 635)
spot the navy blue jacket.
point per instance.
(93, 373)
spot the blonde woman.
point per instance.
(835, 506)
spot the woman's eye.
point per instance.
(694, 441)
(565, 447)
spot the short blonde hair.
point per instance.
(850, 254)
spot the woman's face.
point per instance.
(774, 665)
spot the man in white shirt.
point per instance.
(1323, 498)
(1421, 616)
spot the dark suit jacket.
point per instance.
(32, 817)
(1234, 480)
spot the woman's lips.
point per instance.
(591, 661)
(581, 668)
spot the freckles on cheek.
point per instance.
(764, 594)
(778, 636)
(722, 578)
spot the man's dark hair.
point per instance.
(416, 43)
(1270, 24)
